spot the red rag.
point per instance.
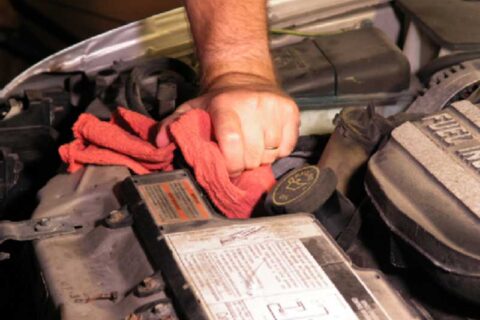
(237, 198)
(125, 141)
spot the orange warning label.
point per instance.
(174, 201)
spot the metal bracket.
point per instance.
(36, 229)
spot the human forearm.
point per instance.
(254, 122)
(231, 40)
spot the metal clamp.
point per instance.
(36, 229)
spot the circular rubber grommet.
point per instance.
(303, 190)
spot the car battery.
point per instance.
(166, 198)
(152, 247)
(279, 267)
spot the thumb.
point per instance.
(163, 137)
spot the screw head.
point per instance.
(149, 282)
(162, 310)
(149, 285)
(42, 225)
(116, 216)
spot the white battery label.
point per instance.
(259, 271)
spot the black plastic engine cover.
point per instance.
(361, 61)
(303, 68)
(425, 183)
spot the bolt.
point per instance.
(43, 224)
(116, 216)
(161, 309)
(149, 283)
(149, 286)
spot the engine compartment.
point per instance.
(99, 252)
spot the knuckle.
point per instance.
(289, 111)
(294, 123)
(220, 102)
(228, 98)
(292, 109)
(232, 137)
(219, 99)
(214, 107)
(287, 149)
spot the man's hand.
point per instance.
(254, 123)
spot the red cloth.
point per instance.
(125, 140)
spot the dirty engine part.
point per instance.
(333, 66)
(158, 249)
(425, 183)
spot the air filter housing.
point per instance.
(425, 183)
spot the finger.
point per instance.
(272, 129)
(253, 140)
(163, 138)
(228, 132)
(198, 103)
(269, 156)
(290, 133)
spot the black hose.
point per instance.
(427, 71)
(133, 83)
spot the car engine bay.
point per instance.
(376, 211)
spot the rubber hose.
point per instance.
(132, 85)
